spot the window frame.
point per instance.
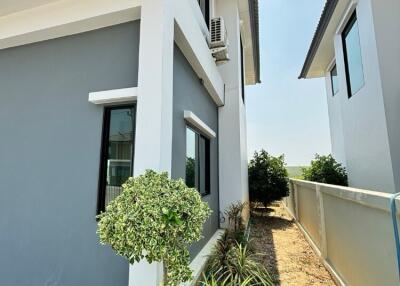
(207, 12)
(346, 30)
(334, 66)
(101, 197)
(207, 159)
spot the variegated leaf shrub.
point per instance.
(155, 218)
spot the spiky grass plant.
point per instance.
(235, 265)
(212, 281)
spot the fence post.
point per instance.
(322, 229)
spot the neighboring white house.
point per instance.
(357, 49)
(92, 92)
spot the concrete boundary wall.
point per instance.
(350, 229)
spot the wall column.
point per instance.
(233, 174)
(153, 144)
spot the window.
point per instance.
(334, 80)
(197, 162)
(242, 68)
(117, 152)
(352, 56)
(205, 10)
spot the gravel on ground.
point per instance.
(284, 250)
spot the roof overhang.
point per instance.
(12, 6)
(66, 17)
(24, 22)
(248, 12)
(322, 51)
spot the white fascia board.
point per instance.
(114, 96)
(247, 42)
(63, 18)
(326, 50)
(190, 39)
(196, 122)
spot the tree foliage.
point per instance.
(155, 218)
(268, 178)
(325, 169)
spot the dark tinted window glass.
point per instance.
(242, 68)
(352, 53)
(118, 136)
(191, 158)
(334, 80)
(204, 165)
(205, 10)
(197, 162)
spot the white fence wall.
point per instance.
(350, 229)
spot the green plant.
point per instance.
(155, 218)
(236, 227)
(235, 265)
(325, 169)
(234, 215)
(268, 178)
(212, 281)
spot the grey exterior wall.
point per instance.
(49, 157)
(190, 94)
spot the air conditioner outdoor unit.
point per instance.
(219, 40)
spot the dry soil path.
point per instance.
(286, 253)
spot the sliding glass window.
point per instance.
(197, 161)
(352, 56)
(117, 152)
(334, 80)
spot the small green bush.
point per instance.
(268, 178)
(155, 218)
(325, 169)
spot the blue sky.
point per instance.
(286, 115)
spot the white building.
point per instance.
(92, 92)
(357, 49)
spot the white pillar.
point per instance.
(232, 120)
(153, 143)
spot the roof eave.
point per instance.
(249, 29)
(324, 21)
(255, 28)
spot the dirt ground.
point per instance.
(285, 252)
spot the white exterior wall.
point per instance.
(154, 109)
(362, 117)
(335, 122)
(387, 30)
(232, 120)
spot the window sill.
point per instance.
(205, 195)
